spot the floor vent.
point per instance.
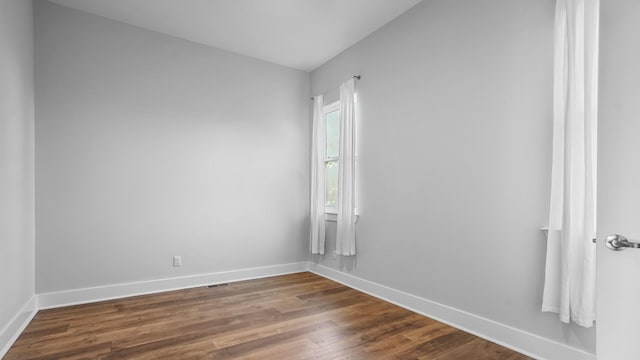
(217, 285)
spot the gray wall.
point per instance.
(16, 159)
(455, 157)
(148, 146)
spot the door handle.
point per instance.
(618, 242)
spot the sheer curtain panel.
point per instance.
(346, 227)
(569, 288)
(317, 178)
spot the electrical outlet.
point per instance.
(334, 255)
(177, 261)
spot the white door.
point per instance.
(618, 274)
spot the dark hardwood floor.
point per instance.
(298, 316)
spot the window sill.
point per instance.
(330, 216)
(545, 230)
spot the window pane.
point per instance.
(333, 133)
(331, 184)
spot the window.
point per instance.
(334, 163)
(331, 115)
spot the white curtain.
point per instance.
(346, 232)
(317, 178)
(569, 287)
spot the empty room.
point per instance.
(319, 179)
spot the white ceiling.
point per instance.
(301, 34)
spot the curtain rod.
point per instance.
(356, 77)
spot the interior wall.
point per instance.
(148, 146)
(16, 160)
(455, 158)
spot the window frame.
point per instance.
(327, 109)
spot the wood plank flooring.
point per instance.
(297, 316)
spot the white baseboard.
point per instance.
(16, 326)
(108, 292)
(524, 342)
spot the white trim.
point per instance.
(331, 107)
(9, 334)
(108, 292)
(331, 216)
(519, 340)
(522, 341)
